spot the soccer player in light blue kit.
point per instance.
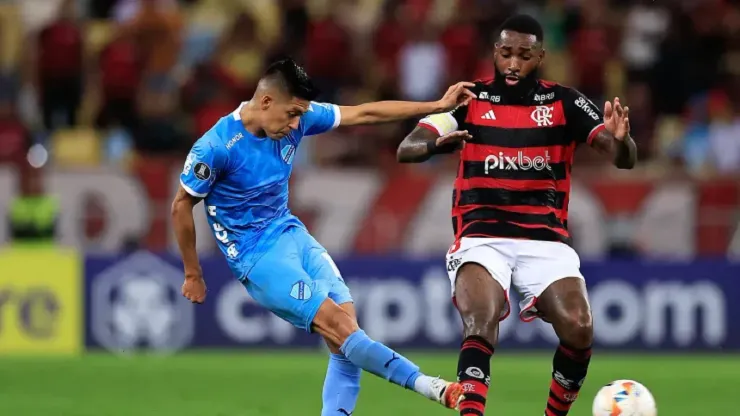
(241, 168)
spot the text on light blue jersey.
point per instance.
(244, 182)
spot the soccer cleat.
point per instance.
(448, 394)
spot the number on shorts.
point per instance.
(332, 264)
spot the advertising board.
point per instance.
(134, 302)
(40, 301)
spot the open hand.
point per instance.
(616, 119)
(456, 95)
(194, 287)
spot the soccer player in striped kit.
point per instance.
(510, 208)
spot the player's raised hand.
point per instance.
(616, 119)
(194, 287)
(458, 136)
(456, 95)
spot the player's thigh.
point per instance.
(480, 275)
(278, 282)
(321, 267)
(544, 269)
(325, 273)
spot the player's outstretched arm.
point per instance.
(388, 111)
(422, 143)
(615, 140)
(184, 226)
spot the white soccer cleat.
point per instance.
(448, 394)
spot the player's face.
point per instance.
(517, 56)
(281, 115)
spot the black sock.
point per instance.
(474, 373)
(569, 368)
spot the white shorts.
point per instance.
(531, 266)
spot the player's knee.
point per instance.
(480, 300)
(578, 327)
(342, 326)
(334, 323)
(480, 318)
(481, 324)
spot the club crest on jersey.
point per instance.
(287, 152)
(542, 115)
(301, 291)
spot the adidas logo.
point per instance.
(489, 115)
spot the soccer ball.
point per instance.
(624, 398)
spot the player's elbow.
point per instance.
(175, 209)
(179, 207)
(404, 155)
(401, 155)
(626, 163)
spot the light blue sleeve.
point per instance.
(205, 162)
(320, 118)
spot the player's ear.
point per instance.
(541, 58)
(266, 101)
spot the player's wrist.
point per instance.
(193, 273)
(436, 107)
(432, 147)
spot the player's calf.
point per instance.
(339, 328)
(480, 300)
(565, 305)
(342, 383)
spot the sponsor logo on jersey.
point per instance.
(234, 140)
(492, 98)
(188, 163)
(544, 97)
(517, 162)
(490, 115)
(585, 105)
(453, 264)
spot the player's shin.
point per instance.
(378, 359)
(341, 387)
(569, 368)
(474, 374)
(339, 328)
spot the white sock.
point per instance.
(423, 386)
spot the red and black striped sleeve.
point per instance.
(584, 119)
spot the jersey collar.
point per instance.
(237, 113)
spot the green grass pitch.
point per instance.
(288, 384)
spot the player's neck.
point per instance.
(249, 121)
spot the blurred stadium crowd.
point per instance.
(99, 81)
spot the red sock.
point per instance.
(569, 371)
(474, 373)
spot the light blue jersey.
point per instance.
(244, 182)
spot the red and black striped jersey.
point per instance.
(514, 175)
